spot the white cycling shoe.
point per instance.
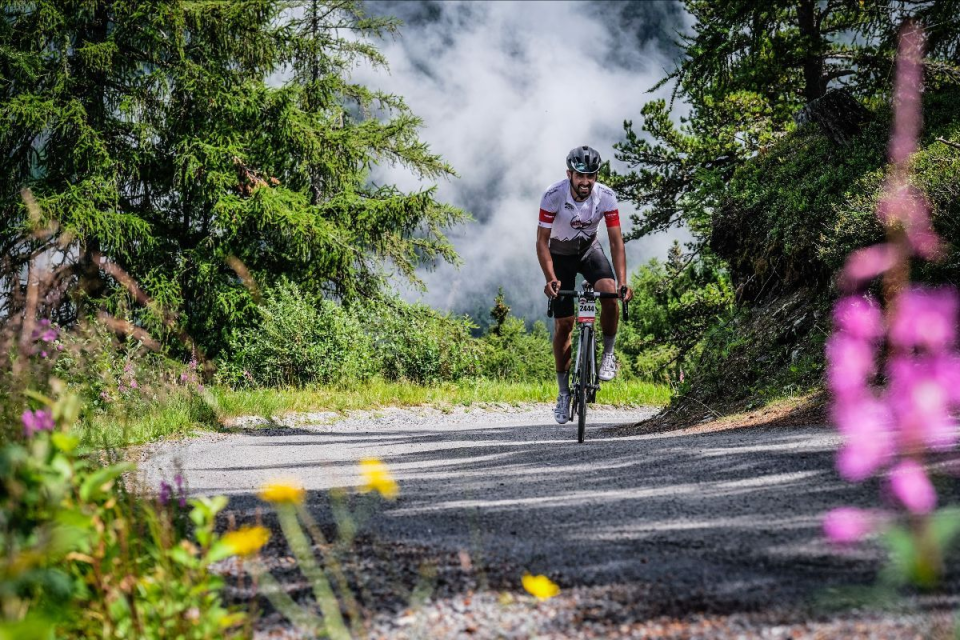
(562, 411)
(608, 367)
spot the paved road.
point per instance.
(731, 516)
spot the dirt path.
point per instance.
(658, 526)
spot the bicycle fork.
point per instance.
(589, 347)
(585, 365)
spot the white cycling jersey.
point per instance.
(573, 225)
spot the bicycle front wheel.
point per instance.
(583, 354)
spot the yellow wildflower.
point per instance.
(378, 478)
(540, 587)
(246, 541)
(282, 493)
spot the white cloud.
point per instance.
(505, 89)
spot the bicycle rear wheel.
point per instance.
(583, 354)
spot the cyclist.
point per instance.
(567, 244)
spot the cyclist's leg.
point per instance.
(565, 268)
(596, 265)
(596, 268)
(563, 330)
(609, 316)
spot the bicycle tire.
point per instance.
(583, 355)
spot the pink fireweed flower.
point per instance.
(34, 421)
(945, 367)
(859, 316)
(902, 202)
(866, 264)
(920, 398)
(925, 242)
(42, 325)
(867, 426)
(850, 363)
(860, 457)
(133, 384)
(925, 318)
(845, 525)
(912, 487)
(907, 117)
(862, 415)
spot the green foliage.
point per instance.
(298, 339)
(416, 343)
(682, 168)
(917, 557)
(510, 352)
(513, 353)
(779, 208)
(762, 188)
(675, 304)
(128, 393)
(302, 340)
(82, 557)
(793, 214)
(762, 352)
(747, 69)
(149, 133)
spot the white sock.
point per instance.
(608, 343)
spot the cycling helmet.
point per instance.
(583, 159)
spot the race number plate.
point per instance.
(588, 311)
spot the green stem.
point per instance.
(333, 566)
(333, 620)
(283, 603)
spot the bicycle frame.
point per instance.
(585, 381)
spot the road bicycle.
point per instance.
(585, 382)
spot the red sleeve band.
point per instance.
(546, 216)
(612, 218)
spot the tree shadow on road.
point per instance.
(718, 521)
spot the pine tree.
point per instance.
(747, 69)
(154, 134)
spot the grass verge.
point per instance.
(182, 414)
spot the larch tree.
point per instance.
(202, 145)
(747, 69)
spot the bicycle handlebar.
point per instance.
(589, 294)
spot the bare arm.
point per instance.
(546, 262)
(619, 256)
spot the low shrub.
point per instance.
(513, 353)
(676, 304)
(416, 343)
(298, 340)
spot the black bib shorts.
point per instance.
(592, 264)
